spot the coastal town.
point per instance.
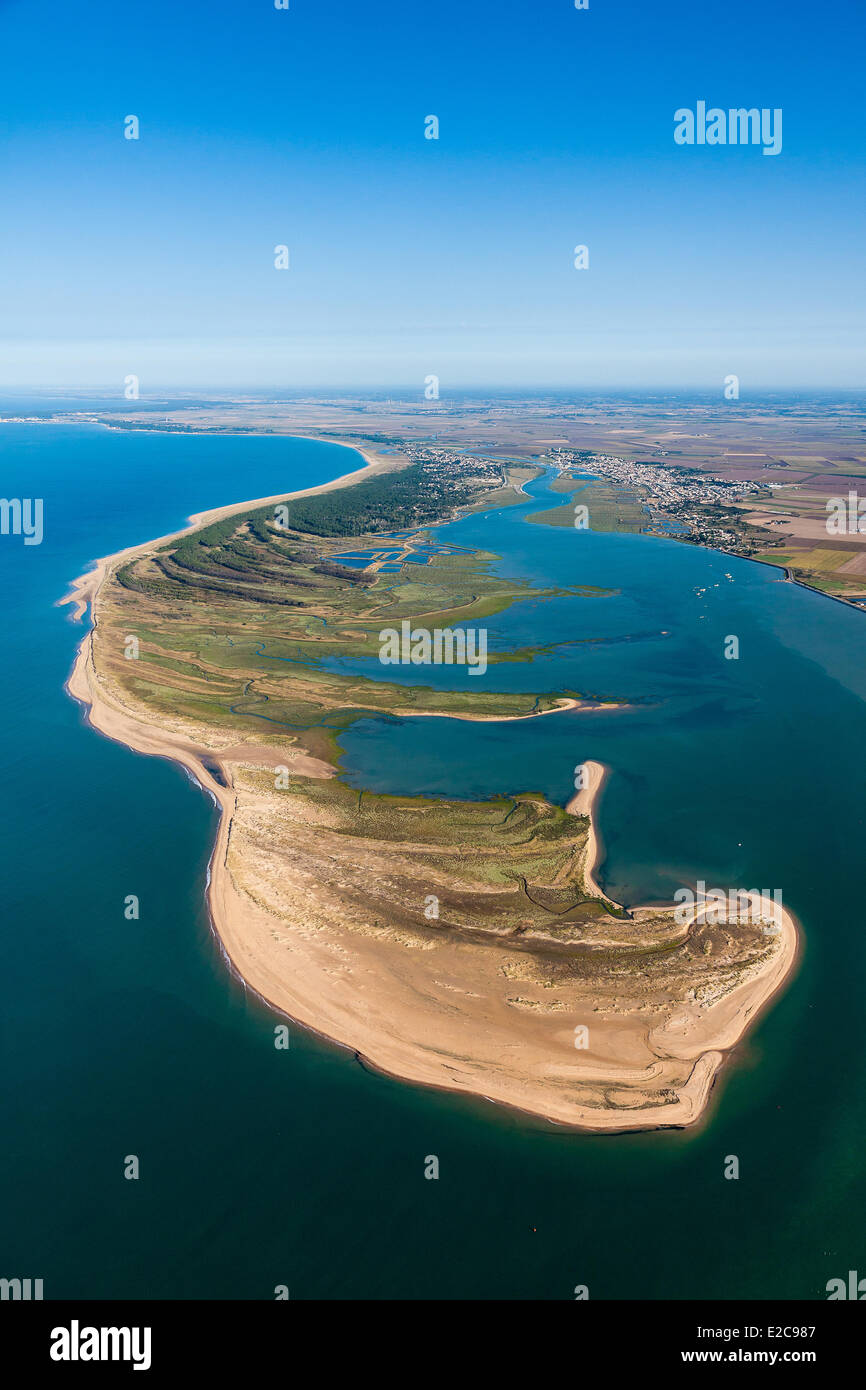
(683, 502)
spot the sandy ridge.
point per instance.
(85, 588)
(585, 803)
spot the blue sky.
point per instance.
(410, 256)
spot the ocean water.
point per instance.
(302, 1167)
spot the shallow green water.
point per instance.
(302, 1168)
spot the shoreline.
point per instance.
(248, 938)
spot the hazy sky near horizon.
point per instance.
(408, 256)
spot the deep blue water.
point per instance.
(261, 1167)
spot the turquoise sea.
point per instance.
(303, 1168)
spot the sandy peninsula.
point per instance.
(86, 586)
(327, 924)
